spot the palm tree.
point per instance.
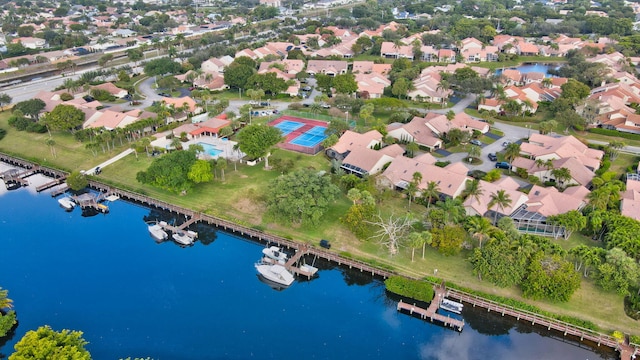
(474, 151)
(443, 86)
(526, 106)
(473, 189)
(415, 241)
(561, 175)
(428, 239)
(5, 302)
(502, 200)
(411, 190)
(546, 82)
(431, 191)
(453, 210)
(479, 228)
(51, 143)
(540, 163)
(497, 91)
(614, 148)
(511, 152)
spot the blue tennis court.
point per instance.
(288, 126)
(311, 138)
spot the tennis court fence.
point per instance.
(303, 149)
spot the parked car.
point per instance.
(325, 244)
(492, 157)
(476, 142)
(164, 94)
(306, 88)
(325, 106)
(506, 143)
(503, 165)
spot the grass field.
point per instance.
(238, 198)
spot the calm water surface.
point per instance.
(130, 296)
(534, 67)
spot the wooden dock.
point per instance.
(60, 190)
(88, 201)
(51, 184)
(181, 227)
(627, 351)
(431, 312)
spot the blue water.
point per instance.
(130, 296)
(210, 149)
(535, 67)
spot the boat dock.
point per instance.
(627, 350)
(176, 229)
(430, 312)
(292, 265)
(90, 201)
(50, 184)
(15, 176)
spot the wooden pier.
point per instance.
(88, 201)
(60, 190)
(431, 312)
(627, 351)
(50, 184)
(181, 227)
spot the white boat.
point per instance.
(275, 253)
(309, 269)
(183, 238)
(157, 232)
(276, 273)
(449, 305)
(67, 203)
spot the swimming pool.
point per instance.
(210, 149)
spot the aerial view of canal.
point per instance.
(105, 275)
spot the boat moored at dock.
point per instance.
(450, 305)
(157, 232)
(67, 203)
(276, 273)
(184, 237)
(275, 253)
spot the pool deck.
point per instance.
(224, 145)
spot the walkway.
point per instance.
(92, 171)
(431, 311)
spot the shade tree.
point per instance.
(255, 140)
(300, 198)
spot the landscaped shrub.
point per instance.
(615, 133)
(414, 289)
(442, 163)
(3, 133)
(632, 305)
(66, 97)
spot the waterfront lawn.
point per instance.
(70, 154)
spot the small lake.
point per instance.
(105, 275)
(532, 67)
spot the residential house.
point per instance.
(216, 65)
(545, 202)
(415, 131)
(480, 205)
(451, 180)
(546, 147)
(111, 89)
(371, 85)
(30, 42)
(350, 140)
(109, 120)
(185, 102)
(630, 203)
(327, 67)
(580, 174)
(362, 161)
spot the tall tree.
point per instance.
(391, 230)
(300, 197)
(256, 140)
(345, 84)
(415, 241)
(500, 199)
(432, 191)
(64, 118)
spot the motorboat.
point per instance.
(275, 253)
(157, 232)
(276, 273)
(449, 305)
(183, 237)
(67, 203)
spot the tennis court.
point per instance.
(301, 135)
(311, 138)
(287, 126)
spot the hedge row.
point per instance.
(615, 133)
(414, 289)
(520, 305)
